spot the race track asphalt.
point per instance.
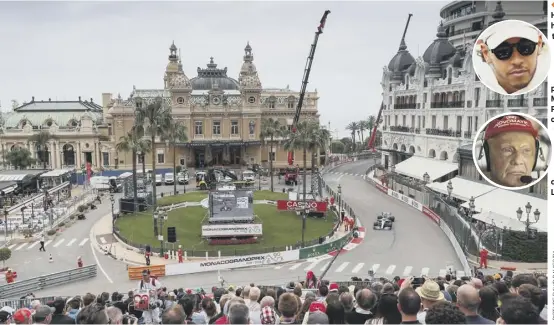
(415, 246)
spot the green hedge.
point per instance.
(517, 247)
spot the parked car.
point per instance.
(159, 179)
(169, 178)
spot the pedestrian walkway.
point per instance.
(361, 269)
(58, 243)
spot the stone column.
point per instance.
(79, 155)
(53, 155)
(96, 158)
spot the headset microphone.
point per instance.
(526, 179)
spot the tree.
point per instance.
(20, 158)
(337, 147)
(371, 122)
(270, 129)
(5, 254)
(353, 127)
(134, 142)
(362, 126)
(176, 132)
(40, 141)
(309, 136)
(157, 116)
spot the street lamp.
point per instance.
(339, 198)
(527, 221)
(426, 178)
(112, 200)
(449, 188)
(160, 215)
(304, 216)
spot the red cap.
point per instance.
(22, 316)
(333, 286)
(317, 306)
(401, 281)
(188, 291)
(510, 123)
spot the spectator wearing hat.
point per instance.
(444, 312)
(58, 315)
(43, 315)
(5, 317)
(469, 302)
(516, 309)
(430, 294)
(515, 132)
(23, 316)
(288, 307)
(333, 287)
(366, 301)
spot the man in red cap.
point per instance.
(512, 151)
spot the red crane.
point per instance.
(307, 71)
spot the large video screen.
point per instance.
(228, 206)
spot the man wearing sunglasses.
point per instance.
(512, 52)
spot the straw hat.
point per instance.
(430, 290)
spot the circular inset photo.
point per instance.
(512, 151)
(511, 57)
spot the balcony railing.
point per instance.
(543, 101)
(517, 102)
(456, 104)
(465, 30)
(405, 106)
(461, 13)
(495, 103)
(444, 133)
(405, 129)
(468, 134)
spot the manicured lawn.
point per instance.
(195, 196)
(270, 196)
(280, 228)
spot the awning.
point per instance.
(500, 206)
(462, 188)
(58, 172)
(12, 177)
(415, 167)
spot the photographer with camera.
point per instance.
(151, 313)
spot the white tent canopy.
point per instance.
(415, 167)
(462, 188)
(505, 204)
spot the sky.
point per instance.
(63, 50)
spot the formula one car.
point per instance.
(384, 221)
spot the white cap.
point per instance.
(8, 309)
(504, 30)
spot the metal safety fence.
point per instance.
(25, 287)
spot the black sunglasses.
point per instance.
(505, 50)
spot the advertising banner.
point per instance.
(319, 250)
(231, 263)
(290, 205)
(406, 199)
(431, 214)
(231, 230)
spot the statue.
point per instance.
(252, 126)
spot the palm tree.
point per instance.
(157, 116)
(19, 158)
(176, 131)
(270, 129)
(308, 137)
(133, 142)
(362, 126)
(40, 141)
(318, 140)
(353, 127)
(371, 121)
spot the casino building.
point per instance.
(223, 115)
(435, 104)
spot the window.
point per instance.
(198, 128)
(110, 130)
(289, 128)
(445, 123)
(458, 123)
(180, 100)
(105, 159)
(419, 122)
(469, 122)
(424, 97)
(423, 122)
(477, 96)
(396, 120)
(271, 104)
(290, 104)
(433, 122)
(252, 99)
(413, 121)
(403, 120)
(234, 127)
(271, 156)
(476, 123)
(216, 127)
(161, 158)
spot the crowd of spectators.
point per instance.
(503, 299)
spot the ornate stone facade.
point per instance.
(223, 116)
